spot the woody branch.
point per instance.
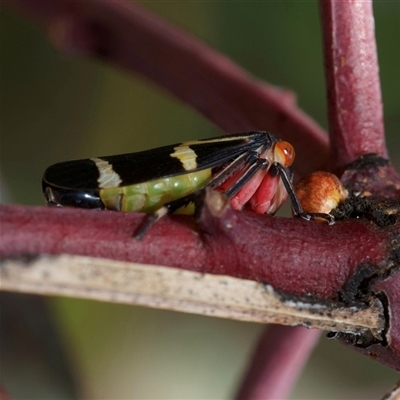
(100, 29)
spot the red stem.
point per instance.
(277, 362)
(290, 254)
(130, 37)
(352, 75)
(296, 256)
(389, 292)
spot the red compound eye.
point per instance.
(284, 153)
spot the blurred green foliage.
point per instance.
(55, 108)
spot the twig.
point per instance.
(180, 290)
(352, 78)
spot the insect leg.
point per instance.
(251, 158)
(248, 157)
(222, 176)
(297, 208)
(246, 177)
(167, 208)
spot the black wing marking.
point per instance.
(154, 163)
(75, 174)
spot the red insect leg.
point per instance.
(263, 192)
(270, 195)
(246, 192)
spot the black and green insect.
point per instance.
(252, 169)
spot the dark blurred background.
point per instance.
(55, 108)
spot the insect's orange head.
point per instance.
(284, 153)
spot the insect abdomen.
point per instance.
(150, 196)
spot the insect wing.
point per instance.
(148, 165)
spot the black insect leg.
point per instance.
(229, 170)
(151, 218)
(246, 177)
(297, 208)
(167, 208)
(249, 158)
